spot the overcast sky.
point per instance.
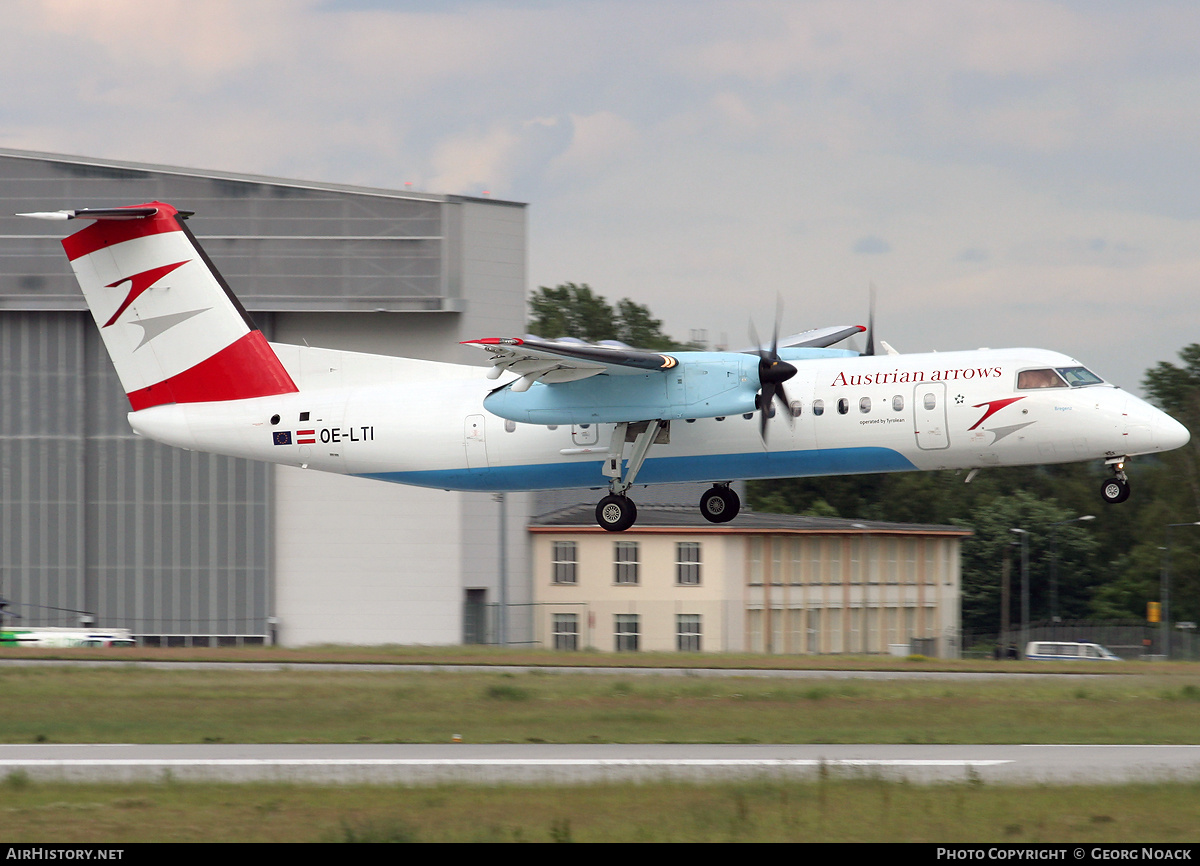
(1007, 173)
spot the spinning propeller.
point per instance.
(773, 371)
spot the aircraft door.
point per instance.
(473, 436)
(584, 435)
(929, 416)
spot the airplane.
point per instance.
(552, 414)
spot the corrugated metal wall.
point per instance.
(96, 519)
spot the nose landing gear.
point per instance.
(1116, 489)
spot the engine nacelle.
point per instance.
(702, 385)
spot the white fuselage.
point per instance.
(423, 423)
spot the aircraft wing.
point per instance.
(554, 361)
(817, 338)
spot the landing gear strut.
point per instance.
(616, 512)
(719, 504)
(1116, 489)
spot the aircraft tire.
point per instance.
(1114, 490)
(616, 513)
(720, 505)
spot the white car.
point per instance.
(1049, 650)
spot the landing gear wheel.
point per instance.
(1115, 490)
(616, 513)
(720, 505)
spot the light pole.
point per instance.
(1024, 589)
(1165, 588)
(1054, 561)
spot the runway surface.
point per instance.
(586, 764)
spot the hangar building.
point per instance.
(187, 548)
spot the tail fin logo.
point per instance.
(138, 284)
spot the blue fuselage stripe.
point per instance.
(661, 470)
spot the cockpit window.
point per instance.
(1077, 377)
(1028, 379)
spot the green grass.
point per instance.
(768, 811)
(134, 704)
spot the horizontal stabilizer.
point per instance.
(97, 213)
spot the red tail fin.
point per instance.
(174, 330)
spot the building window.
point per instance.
(625, 632)
(687, 563)
(566, 557)
(687, 632)
(756, 560)
(625, 562)
(566, 631)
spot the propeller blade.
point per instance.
(764, 409)
(871, 322)
(755, 342)
(775, 333)
(785, 404)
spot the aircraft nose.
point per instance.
(1169, 434)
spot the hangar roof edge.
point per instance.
(251, 178)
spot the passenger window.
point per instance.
(795, 406)
(1029, 379)
(843, 405)
(930, 401)
(818, 407)
(898, 403)
(864, 405)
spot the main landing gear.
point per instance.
(1116, 489)
(719, 504)
(616, 512)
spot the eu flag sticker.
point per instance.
(283, 437)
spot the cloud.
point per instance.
(697, 156)
(871, 245)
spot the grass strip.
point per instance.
(833, 810)
(132, 704)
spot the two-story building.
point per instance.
(769, 583)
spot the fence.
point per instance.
(1128, 639)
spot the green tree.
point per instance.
(574, 310)
(571, 310)
(1073, 545)
(1177, 390)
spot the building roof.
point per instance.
(245, 178)
(687, 518)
